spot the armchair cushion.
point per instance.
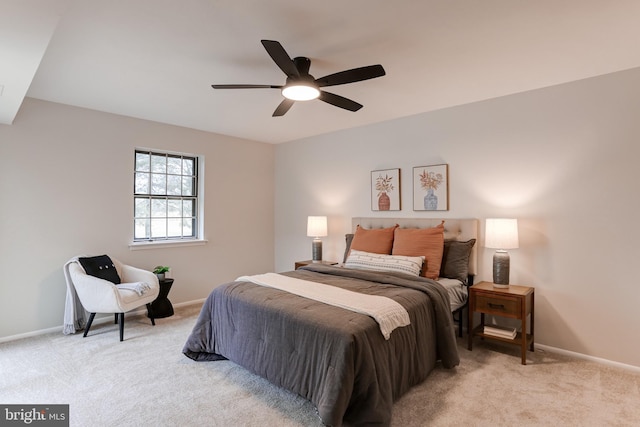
(100, 266)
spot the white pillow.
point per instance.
(396, 263)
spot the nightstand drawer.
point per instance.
(299, 264)
(501, 306)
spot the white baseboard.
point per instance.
(193, 302)
(97, 321)
(587, 357)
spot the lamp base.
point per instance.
(501, 269)
(316, 250)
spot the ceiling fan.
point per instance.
(302, 86)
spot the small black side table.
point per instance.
(161, 306)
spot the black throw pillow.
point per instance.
(100, 266)
(455, 259)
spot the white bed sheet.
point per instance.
(457, 292)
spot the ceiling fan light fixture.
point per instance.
(300, 92)
(302, 86)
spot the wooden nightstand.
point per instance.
(515, 302)
(307, 262)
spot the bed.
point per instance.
(335, 357)
(462, 232)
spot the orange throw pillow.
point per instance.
(426, 242)
(377, 241)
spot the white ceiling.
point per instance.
(156, 59)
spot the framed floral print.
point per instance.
(431, 188)
(385, 190)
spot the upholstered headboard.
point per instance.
(454, 229)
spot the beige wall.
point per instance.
(65, 189)
(563, 160)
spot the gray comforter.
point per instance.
(333, 357)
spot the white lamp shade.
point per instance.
(501, 233)
(317, 226)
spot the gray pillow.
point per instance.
(455, 259)
(348, 239)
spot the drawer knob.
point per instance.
(500, 306)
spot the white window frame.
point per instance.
(198, 239)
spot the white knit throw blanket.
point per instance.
(74, 312)
(388, 313)
(138, 287)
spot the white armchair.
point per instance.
(102, 296)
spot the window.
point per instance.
(165, 196)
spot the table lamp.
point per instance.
(501, 234)
(316, 228)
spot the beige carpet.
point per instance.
(146, 381)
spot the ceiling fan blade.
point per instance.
(283, 107)
(281, 57)
(234, 86)
(351, 76)
(339, 101)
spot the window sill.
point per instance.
(137, 246)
